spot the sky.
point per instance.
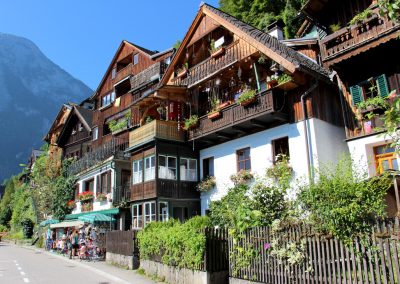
(82, 36)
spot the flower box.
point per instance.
(224, 104)
(206, 184)
(248, 102)
(214, 114)
(85, 196)
(218, 52)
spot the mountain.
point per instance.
(32, 90)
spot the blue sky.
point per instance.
(81, 36)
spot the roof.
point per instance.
(53, 125)
(303, 63)
(85, 115)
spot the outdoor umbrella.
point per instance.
(48, 222)
(96, 217)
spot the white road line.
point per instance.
(22, 273)
(19, 268)
(26, 280)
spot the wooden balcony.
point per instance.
(235, 120)
(212, 66)
(164, 188)
(352, 40)
(157, 129)
(123, 73)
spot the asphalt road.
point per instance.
(22, 265)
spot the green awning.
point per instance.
(96, 218)
(48, 222)
(113, 211)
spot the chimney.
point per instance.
(276, 29)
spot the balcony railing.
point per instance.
(349, 38)
(113, 148)
(266, 104)
(123, 73)
(211, 66)
(156, 129)
(122, 193)
(148, 75)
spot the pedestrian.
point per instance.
(74, 243)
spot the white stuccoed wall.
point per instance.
(329, 143)
(362, 152)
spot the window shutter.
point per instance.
(98, 184)
(108, 181)
(356, 93)
(382, 84)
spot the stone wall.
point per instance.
(127, 261)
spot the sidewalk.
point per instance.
(113, 273)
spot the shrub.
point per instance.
(174, 243)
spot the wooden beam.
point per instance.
(258, 123)
(223, 135)
(239, 129)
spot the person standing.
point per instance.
(74, 243)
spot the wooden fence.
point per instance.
(327, 260)
(122, 242)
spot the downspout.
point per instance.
(304, 110)
(115, 181)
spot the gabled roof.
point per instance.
(272, 47)
(84, 115)
(53, 125)
(143, 50)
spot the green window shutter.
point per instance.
(356, 93)
(382, 84)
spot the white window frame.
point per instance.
(150, 172)
(95, 133)
(108, 99)
(165, 172)
(188, 174)
(137, 176)
(138, 215)
(148, 218)
(163, 216)
(135, 58)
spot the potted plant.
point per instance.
(71, 204)
(280, 168)
(101, 197)
(242, 177)
(183, 70)
(284, 78)
(191, 122)
(216, 51)
(247, 97)
(371, 104)
(85, 196)
(215, 111)
(119, 125)
(206, 184)
(86, 207)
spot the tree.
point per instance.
(261, 13)
(391, 8)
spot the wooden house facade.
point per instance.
(362, 51)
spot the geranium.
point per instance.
(71, 204)
(86, 195)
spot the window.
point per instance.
(95, 133)
(137, 176)
(280, 147)
(163, 211)
(385, 159)
(167, 60)
(89, 185)
(166, 167)
(149, 168)
(208, 167)
(105, 186)
(137, 216)
(149, 212)
(374, 86)
(108, 99)
(113, 73)
(136, 59)
(188, 169)
(243, 159)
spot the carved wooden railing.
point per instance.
(349, 38)
(114, 147)
(235, 114)
(211, 66)
(167, 130)
(123, 73)
(121, 193)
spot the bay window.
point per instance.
(149, 212)
(137, 216)
(149, 168)
(137, 169)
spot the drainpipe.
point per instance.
(115, 181)
(304, 110)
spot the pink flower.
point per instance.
(267, 246)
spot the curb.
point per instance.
(111, 277)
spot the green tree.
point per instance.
(5, 203)
(261, 13)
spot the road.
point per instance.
(23, 265)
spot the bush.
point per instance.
(174, 243)
(3, 228)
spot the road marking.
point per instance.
(19, 268)
(22, 273)
(26, 280)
